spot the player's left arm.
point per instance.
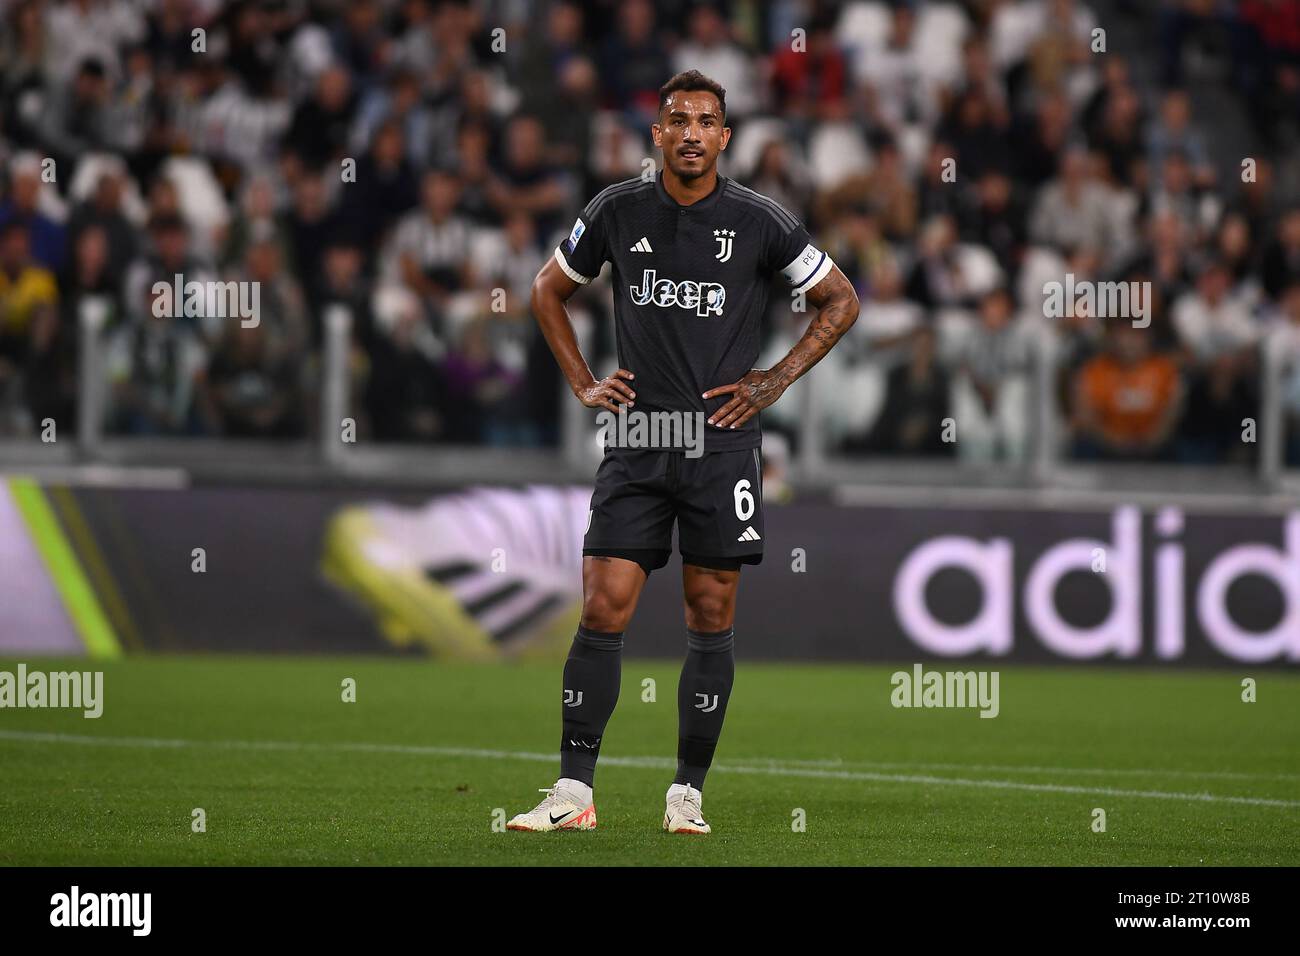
(837, 310)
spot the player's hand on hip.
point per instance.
(610, 389)
(757, 390)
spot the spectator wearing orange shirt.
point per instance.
(1126, 400)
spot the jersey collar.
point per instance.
(706, 203)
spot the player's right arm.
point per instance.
(551, 289)
(578, 260)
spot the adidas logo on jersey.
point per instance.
(643, 245)
(750, 535)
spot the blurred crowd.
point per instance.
(415, 161)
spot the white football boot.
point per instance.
(568, 806)
(685, 811)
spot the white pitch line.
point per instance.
(837, 764)
(775, 770)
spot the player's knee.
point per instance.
(606, 612)
(709, 613)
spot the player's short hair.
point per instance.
(693, 81)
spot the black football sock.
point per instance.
(591, 680)
(702, 694)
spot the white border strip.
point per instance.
(576, 277)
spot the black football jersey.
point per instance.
(691, 284)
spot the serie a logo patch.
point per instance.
(579, 227)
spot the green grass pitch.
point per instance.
(414, 772)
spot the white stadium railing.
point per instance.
(96, 457)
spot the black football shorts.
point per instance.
(716, 500)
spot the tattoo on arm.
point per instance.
(837, 309)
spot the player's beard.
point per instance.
(687, 174)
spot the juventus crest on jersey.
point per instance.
(691, 284)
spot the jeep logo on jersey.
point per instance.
(706, 298)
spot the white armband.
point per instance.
(808, 268)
